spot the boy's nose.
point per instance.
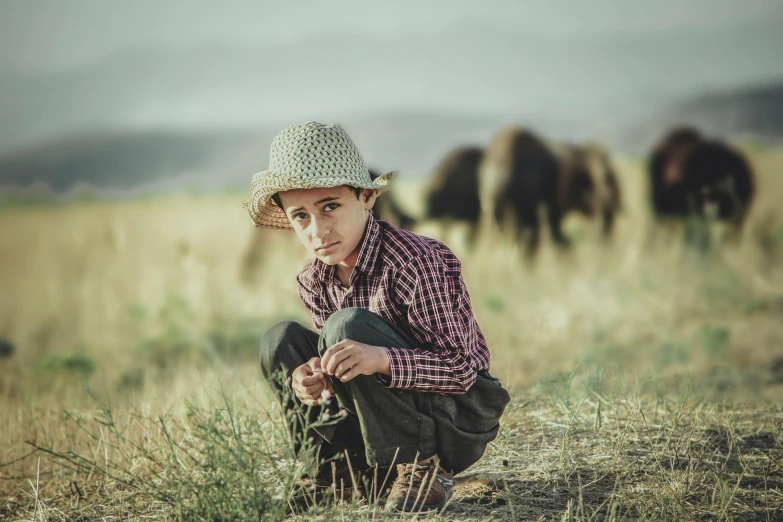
(319, 228)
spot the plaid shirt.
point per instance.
(416, 283)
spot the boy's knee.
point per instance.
(347, 323)
(274, 344)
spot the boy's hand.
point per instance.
(309, 381)
(347, 359)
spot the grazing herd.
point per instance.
(522, 183)
(521, 179)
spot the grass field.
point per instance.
(646, 379)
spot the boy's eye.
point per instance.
(330, 207)
(300, 216)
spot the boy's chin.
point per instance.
(330, 259)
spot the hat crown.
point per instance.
(313, 151)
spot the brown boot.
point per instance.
(420, 487)
(332, 483)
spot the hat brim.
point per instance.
(265, 213)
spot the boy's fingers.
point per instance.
(305, 396)
(311, 380)
(329, 353)
(345, 365)
(313, 390)
(340, 345)
(296, 378)
(350, 374)
(301, 372)
(336, 359)
(327, 382)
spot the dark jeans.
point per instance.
(383, 421)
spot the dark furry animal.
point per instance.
(386, 208)
(667, 194)
(718, 182)
(452, 194)
(691, 176)
(519, 173)
(588, 184)
(6, 348)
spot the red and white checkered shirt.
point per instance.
(416, 283)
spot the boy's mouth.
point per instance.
(326, 247)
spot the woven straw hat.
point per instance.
(311, 155)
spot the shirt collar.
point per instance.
(368, 254)
(371, 245)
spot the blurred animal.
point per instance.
(386, 208)
(668, 195)
(452, 194)
(588, 184)
(718, 182)
(252, 259)
(693, 177)
(6, 348)
(518, 173)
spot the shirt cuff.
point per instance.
(403, 369)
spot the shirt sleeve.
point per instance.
(314, 302)
(441, 319)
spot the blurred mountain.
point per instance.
(754, 112)
(116, 162)
(122, 161)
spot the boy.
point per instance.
(398, 348)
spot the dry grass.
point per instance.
(647, 381)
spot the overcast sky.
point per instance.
(41, 35)
(570, 67)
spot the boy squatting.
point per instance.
(399, 347)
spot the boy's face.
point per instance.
(329, 221)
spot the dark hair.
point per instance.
(276, 196)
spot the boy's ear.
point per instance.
(369, 196)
